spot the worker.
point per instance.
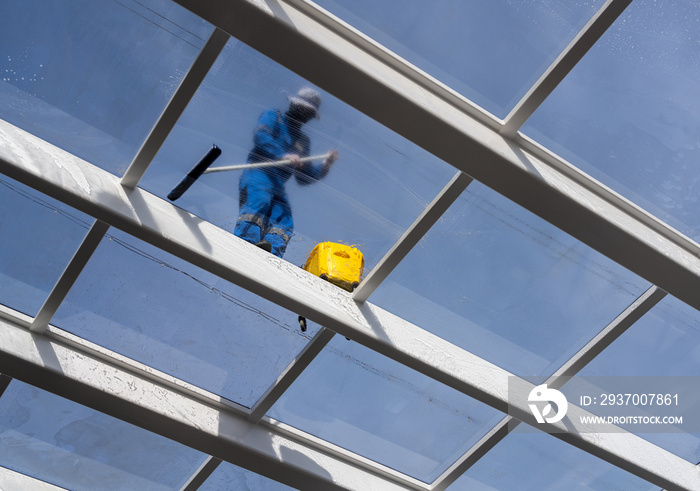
(265, 217)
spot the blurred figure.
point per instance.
(265, 217)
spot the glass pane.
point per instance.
(540, 461)
(627, 114)
(371, 405)
(150, 306)
(503, 284)
(491, 52)
(38, 237)
(665, 342)
(92, 76)
(69, 445)
(378, 186)
(230, 477)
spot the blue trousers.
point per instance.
(264, 211)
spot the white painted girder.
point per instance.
(338, 59)
(15, 481)
(96, 192)
(63, 370)
(585, 355)
(176, 106)
(565, 62)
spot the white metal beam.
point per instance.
(69, 276)
(336, 58)
(202, 474)
(290, 374)
(564, 63)
(412, 236)
(172, 112)
(63, 370)
(11, 480)
(96, 192)
(585, 355)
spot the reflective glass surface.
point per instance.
(540, 461)
(491, 52)
(228, 476)
(92, 76)
(148, 305)
(371, 405)
(628, 113)
(29, 265)
(69, 445)
(373, 192)
(665, 342)
(503, 284)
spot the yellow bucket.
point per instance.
(339, 264)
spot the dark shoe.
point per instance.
(264, 245)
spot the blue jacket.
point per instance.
(273, 138)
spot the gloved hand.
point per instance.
(295, 160)
(332, 157)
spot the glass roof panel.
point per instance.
(627, 114)
(152, 307)
(378, 186)
(69, 445)
(665, 342)
(491, 52)
(503, 284)
(93, 76)
(228, 476)
(540, 461)
(376, 407)
(29, 266)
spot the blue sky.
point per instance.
(92, 78)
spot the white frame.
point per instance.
(417, 107)
(91, 190)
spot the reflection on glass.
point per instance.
(503, 284)
(92, 76)
(150, 306)
(540, 461)
(38, 238)
(628, 113)
(374, 191)
(491, 52)
(665, 342)
(228, 476)
(61, 442)
(376, 407)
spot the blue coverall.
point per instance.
(264, 208)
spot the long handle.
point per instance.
(274, 163)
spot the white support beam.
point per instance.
(119, 392)
(147, 217)
(290, 374)
(79, 260)
(564, 63)
(202, 474)
(412, 236)
(336, 58)
(585, 355)
(172, 112)
(11, 480)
